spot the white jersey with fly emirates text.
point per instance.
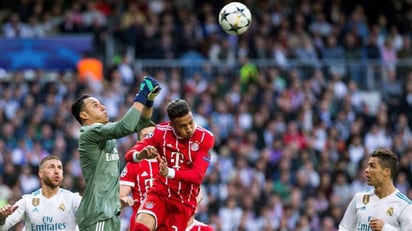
(395, 210)
(43, 214)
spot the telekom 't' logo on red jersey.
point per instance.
(176, 159)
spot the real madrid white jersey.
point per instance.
(395, 210)
(43, 214)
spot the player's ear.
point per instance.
(40, 173)
(83, 115)
(387, 171)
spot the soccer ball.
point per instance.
(235, 18)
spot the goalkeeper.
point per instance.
(99, 158)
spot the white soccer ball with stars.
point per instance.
(235, 18)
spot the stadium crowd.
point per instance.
(290, 145)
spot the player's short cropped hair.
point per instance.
(141, 135)
(77, 107)
(47, 158)
(387, 159)
(177, 108)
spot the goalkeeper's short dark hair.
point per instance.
(77, 107)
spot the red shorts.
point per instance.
(133, 218)
(169, 214)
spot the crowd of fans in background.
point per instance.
(290, 147)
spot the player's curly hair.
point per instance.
(387, 159)
(177, 108)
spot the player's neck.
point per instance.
(190, 222)
(49, 192)
(384, 190)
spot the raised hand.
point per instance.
(149, 89)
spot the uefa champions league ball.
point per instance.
(235, 18)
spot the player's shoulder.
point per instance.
(402, 198)
(87, 132)
(204, 131)
(90, 127)
(36, 193)
(364, 193)
(164, 126)
(133, 165)
(68, 193)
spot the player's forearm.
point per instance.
(124, 191)
(191, 176)
(131, 121)
(146, 113)
(194, 175)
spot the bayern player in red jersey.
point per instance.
(186, 149)
(137, 178)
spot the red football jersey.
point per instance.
(199, 226)
(140, 177)
(189, 158)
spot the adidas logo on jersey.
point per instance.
(144, 174)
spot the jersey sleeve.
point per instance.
(348, 222)
(201, 163)
(130, 123)
(405, 219)
(128, 175)
(76, 201)
(17, 216)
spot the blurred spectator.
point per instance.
(320, 25)
(14, 28)
(353, 52)
(392, 92)
(388, 53)
(341, 189)
(28, 181)
(372, 50)
(90, 69)
(306, 52)
(230, 215)
(332, 50)
(357, 22)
